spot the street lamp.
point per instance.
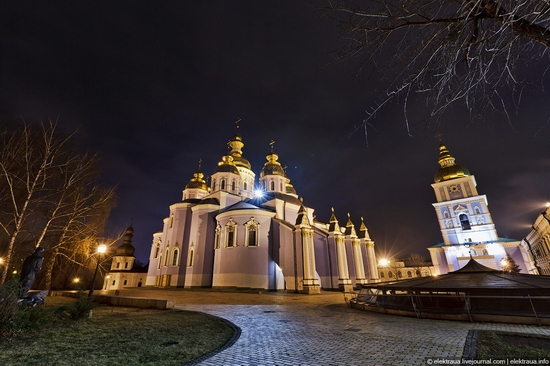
(102, 248)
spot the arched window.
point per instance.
(409, 274)
(382, 275)
(125, 282)
(160, 260)
(166, 257)
(157, 251)
(473, 252)
(272, 185)
(390, 274)
(126, 265)
(233, 186)
(175, 257)
(230, 236)
(117, 264)
(399, 274)
(477, 210)
(213, 184)
(464, 222)
(191, 252)
(484, 251)
(231, 233)
(446, 214)
(252, 227)
(171, 220)
(222, 185)
(417, 273)
(245, 186)
(281, 186)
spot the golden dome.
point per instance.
(449, 170)
(227, 165)
(197, 181)
(236, 144)
(272, 167)
(289, 187)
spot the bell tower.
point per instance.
(464, 218)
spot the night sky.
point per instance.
(153, 87)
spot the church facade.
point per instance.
(239, 232)
(125, 272)
(537, 244)
(466, 225)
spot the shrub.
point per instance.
(80, 309)
(9, 308)
(15, 316)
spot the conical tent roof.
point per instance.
(474, 278)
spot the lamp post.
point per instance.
(102, 248)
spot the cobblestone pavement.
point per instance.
(291, 329)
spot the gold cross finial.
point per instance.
(200, 163)
(237, 122)
(272, 143)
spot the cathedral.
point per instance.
(236, 232)
(466, 225)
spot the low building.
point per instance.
(473, 293)
(125, 272)
(404, 269)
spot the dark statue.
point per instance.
(31, 267)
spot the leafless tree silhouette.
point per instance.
(446, 50)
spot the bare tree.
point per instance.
(77, 213)
(446, 50)
(394, 268)
(26, 158)
(417, 262)
(49, 193)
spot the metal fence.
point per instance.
(455, 303)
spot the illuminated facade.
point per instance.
(537, 244)
(226, 234)
(466, 224)
(124, 270)
(404, 270)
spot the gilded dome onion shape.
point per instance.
(449, 170)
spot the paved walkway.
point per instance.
(291, 329)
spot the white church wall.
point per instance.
(323, 261)
(243, 265)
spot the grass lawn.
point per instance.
(500, 345)
(118, 336)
